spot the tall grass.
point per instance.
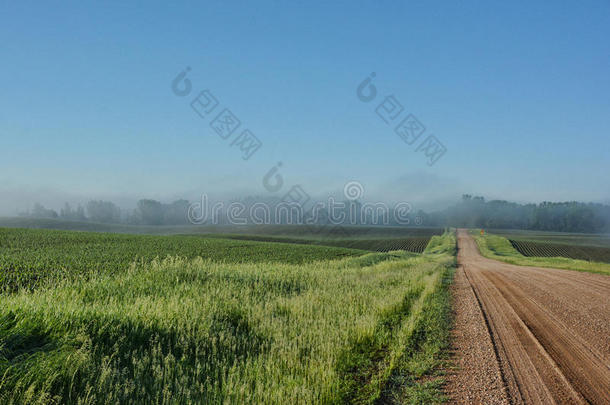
(359, 330)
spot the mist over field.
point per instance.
(423, 191)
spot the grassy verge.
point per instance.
(500, 248)
(386, 364)
(354, 330)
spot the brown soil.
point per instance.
(528, 334)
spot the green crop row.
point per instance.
(500, 248)
(29, 257)
(415, 244)
(590, 253)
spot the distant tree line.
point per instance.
(248, 210)
(471, 211)
(147, 212)
(475, 212)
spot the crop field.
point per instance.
(29, 257)
(318, 232)
(416, 245)
(296, 232)
(375, 239)
(540, 254)
(204, 320)
(566, 238)
(410, 244)
(589, 247)
(539, 249)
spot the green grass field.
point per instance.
(500, 248)
(184, 319)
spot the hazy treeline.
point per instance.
(471, 211)
(248, 210)
(547, 216)
(147, 212)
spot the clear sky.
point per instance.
(517, 92)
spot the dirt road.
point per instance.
(546, 333)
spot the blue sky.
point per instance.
(518, 93)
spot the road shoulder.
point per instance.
(475, 376)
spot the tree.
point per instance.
(151, 212)
(547, 216)
(80, 213)
(175, 213)
(39, 211)
(103, 211)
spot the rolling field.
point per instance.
(416, 245)
(541, 249)
(296, 232)
(31, 256)
(182, 319)
(411, 244)
(500, 248)
(375, 239)
(565, 238)
(589, 247)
